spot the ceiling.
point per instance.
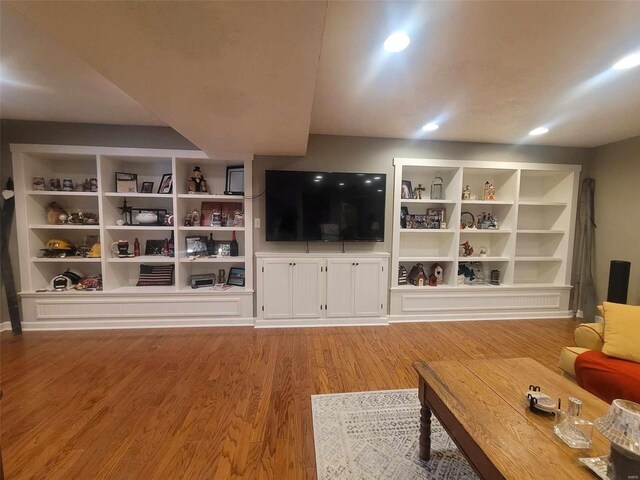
(241, 78)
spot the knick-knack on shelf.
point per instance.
(197, 183)
(436, 188)
(466, 193)
(417, 192)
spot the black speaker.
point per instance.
(618, 281)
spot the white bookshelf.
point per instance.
(121, 303)
(535, 205)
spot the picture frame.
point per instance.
(147, 187)
(404, 213)
(406, 191)
(235, 181)
(236, 276)
(223, 248)
(126, 182)
(154, 247)
(166, 184)
(196, 245)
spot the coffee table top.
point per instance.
(481, 404)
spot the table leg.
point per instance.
(425, 432)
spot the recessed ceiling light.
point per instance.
(396, 42)
(629, 61)
(430, 127)
(539, 131)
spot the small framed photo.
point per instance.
(235, 181)
(236, 276)
(154, 247)
(126, 182)
(166, 184)
(406, 190)
(404, 213)
(147, 187)
(223, 248)
(196, 245)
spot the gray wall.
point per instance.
(616, 170)
(375, 155)
(19, 131)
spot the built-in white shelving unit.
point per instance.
(535, 205)
(121, 303)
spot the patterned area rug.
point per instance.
(375, 435)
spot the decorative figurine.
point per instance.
(55, 184)
(38, 183)
(402, 275)
(489, 191)
(436, 188)
(417, 276)
(197, 183)
(482, 252)
(494, 277)
(222, 276)
(438, 271)
(67, 185)
(466, 193)
(468, 249)
(418, 191)
(433, 280)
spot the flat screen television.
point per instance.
(324, 206)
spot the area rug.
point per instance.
(375, 435)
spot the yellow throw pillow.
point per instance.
(622, 331)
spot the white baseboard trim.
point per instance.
(45, 325)
(322, 322)
(5, 326)
(465, 317)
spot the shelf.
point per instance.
(555, 232)
(425, 259)
(142, 259)
(141, 290)
(65, 260)
(139, 227)
(538, 259)
(485, 230)
(542, 203)
(426, 230)
(62, 194)
(137, 195)
(483, 259)
(212, 229)
(212, 259)
(411, 201)
(487, 202)
(46, 226)
(206, 196)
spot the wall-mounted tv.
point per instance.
(324, 206)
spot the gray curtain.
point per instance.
(584, 256)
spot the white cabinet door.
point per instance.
(340, 287)
(276, 287)
(368, 274)
(308, 288)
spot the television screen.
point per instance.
(326, 207)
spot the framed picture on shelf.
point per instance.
(236, 276)
(436, 217)
(147, 187)
(166, 184)
(126, 182)
(154, 247)
(211, 214)
(223, 248)
(404, 213)
(196, 245)
(406, 190)
(235, 181)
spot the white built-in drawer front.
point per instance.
(115, 308)
(479, 301)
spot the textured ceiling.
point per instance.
(240, 78)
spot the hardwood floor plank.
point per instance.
(214, 403)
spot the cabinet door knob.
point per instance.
(294, 264)
(357, 264)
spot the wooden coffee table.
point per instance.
(480, 403)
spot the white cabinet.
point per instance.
(321, 290)
(292, 288)
(354, 287)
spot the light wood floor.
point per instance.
(218, 402)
